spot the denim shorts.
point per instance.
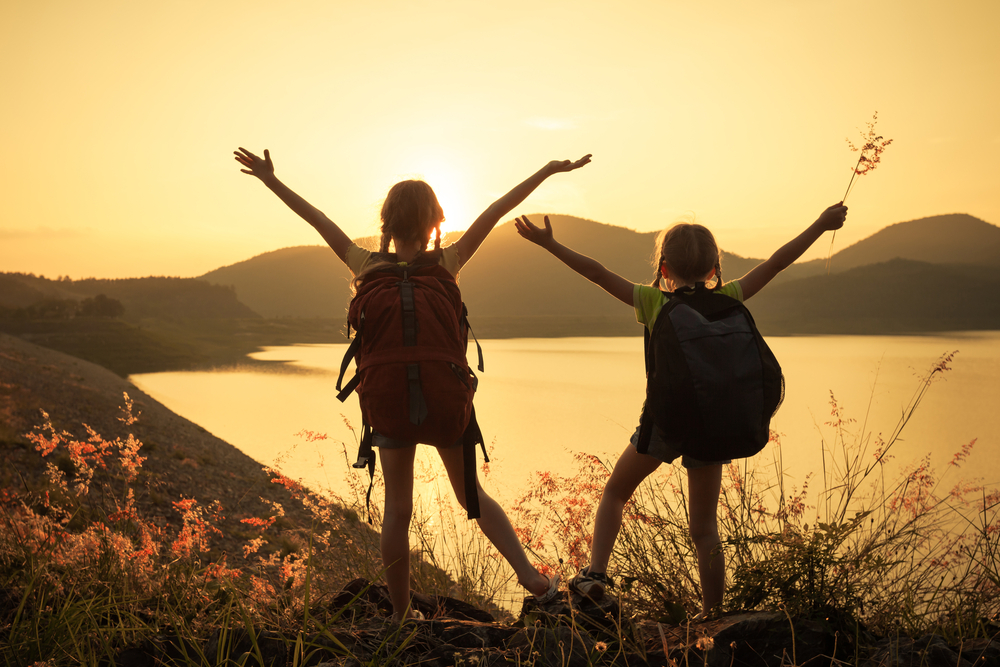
(660, 450)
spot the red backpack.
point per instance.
(413, 379)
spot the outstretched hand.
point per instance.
(558, 166)
(536, 235)
(833, 217)
(259, 167)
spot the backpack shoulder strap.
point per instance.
(352, 351)
(663, 334)
(366, 459)
(473, 436)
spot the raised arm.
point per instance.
(760, 275)
(484, 224)
(591, 269)
(263, 169)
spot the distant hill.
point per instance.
(15, 293)
(309, 281)
(510, 277)
(898, 296)
(159, 298)
(956, 239)
(514, 288)
(303, 281)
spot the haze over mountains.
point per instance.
(933, 274)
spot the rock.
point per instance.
(981, 652)
(928, 651)
(436, 606)
(368, 599)
(568, 632)
(562, 645)
(472, 634)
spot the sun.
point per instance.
(451, 189)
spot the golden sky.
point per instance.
(119, 118)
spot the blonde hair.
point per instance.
(689, 252)
(410, 212)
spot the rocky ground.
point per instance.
(569, 632)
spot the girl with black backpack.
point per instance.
(687, 255)
(410, 215)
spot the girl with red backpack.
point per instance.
(410, 215)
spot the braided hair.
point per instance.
(689, 252)
(410, 212)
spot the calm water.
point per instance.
(542, 400)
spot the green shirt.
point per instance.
(649, 300)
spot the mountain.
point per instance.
(303, 281)
(309, 281)
(514, 288)
(956, 239)
(898, 296)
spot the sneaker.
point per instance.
(550, 594)
(414, 615)
(590, 585)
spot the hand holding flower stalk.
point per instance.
(871, 152)
(871, 149)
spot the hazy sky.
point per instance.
(119, 118)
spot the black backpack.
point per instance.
(712, 383)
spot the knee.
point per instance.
(397, 513)
(614, 495)
(705, 534)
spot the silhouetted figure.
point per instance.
(410, 215)
(687, 254)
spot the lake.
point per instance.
(542, 400)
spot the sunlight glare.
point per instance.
(451, 189)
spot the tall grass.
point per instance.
(908, 551)
(87, 570)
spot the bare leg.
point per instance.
(704, 486)
(631, 468)
(397, 470)
(494, 524)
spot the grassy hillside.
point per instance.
(168, 323)
(155, 297)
